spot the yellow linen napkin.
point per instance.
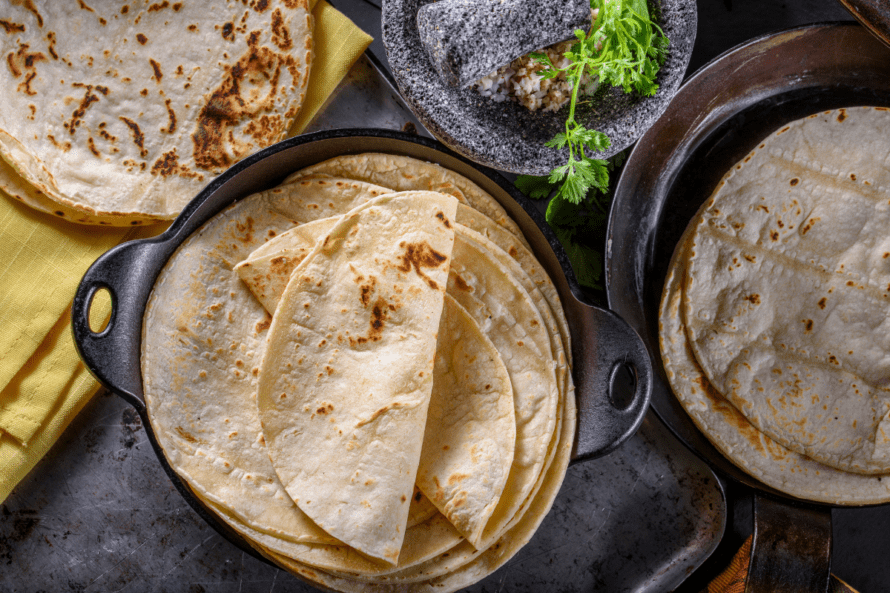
(43, 384)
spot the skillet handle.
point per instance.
(791, 550)
(127, 272)
(606, 344)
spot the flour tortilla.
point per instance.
(468, 446)
(540, 442)
(731, 433)
(402, 173)
(787, 293)
(348, 368)
(252, 225)
(150, 103)
(470, 436)
(472, 567)
(203, 337)
(14, 186)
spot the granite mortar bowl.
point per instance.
(602, 343)
(507, 136)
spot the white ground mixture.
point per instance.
(519, 80)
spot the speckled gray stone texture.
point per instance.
(468, 39)
(506, 136)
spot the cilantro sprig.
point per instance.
(623, 49)
(580, 227)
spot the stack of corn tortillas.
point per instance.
(775, 317)
(371, 386)
(119, 113)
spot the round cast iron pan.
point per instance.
(720, 114)
(602, 343)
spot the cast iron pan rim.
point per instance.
(526, 203)
(686, 146)
(759, 39)
(182, 228)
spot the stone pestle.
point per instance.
(469, 39)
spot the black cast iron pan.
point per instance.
(717, 117)
(602, 343)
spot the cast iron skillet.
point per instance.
(602, 342)
(719, 115)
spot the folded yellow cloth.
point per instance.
(42, 381)
(735, 576)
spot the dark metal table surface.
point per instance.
(99, 514)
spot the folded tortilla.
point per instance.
(345, 381)
(470, 437)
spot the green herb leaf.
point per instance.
(587, 263)
(623, 49)
(537, 188)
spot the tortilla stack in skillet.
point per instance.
(463, 553)
(336, 557)
(788, 288)
(466, 459)
(258, 271)
(150, 102)
(793, 249)
(730, 431)
(318, 197)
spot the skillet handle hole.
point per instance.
(99, 310)
(622, 385)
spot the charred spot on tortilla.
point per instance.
(444, 220)
(461, 283)
(379, 314)
(234, 102)
(366, 289)
(420, 255)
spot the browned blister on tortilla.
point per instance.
(127, 120)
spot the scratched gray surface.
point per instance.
(99, 514)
